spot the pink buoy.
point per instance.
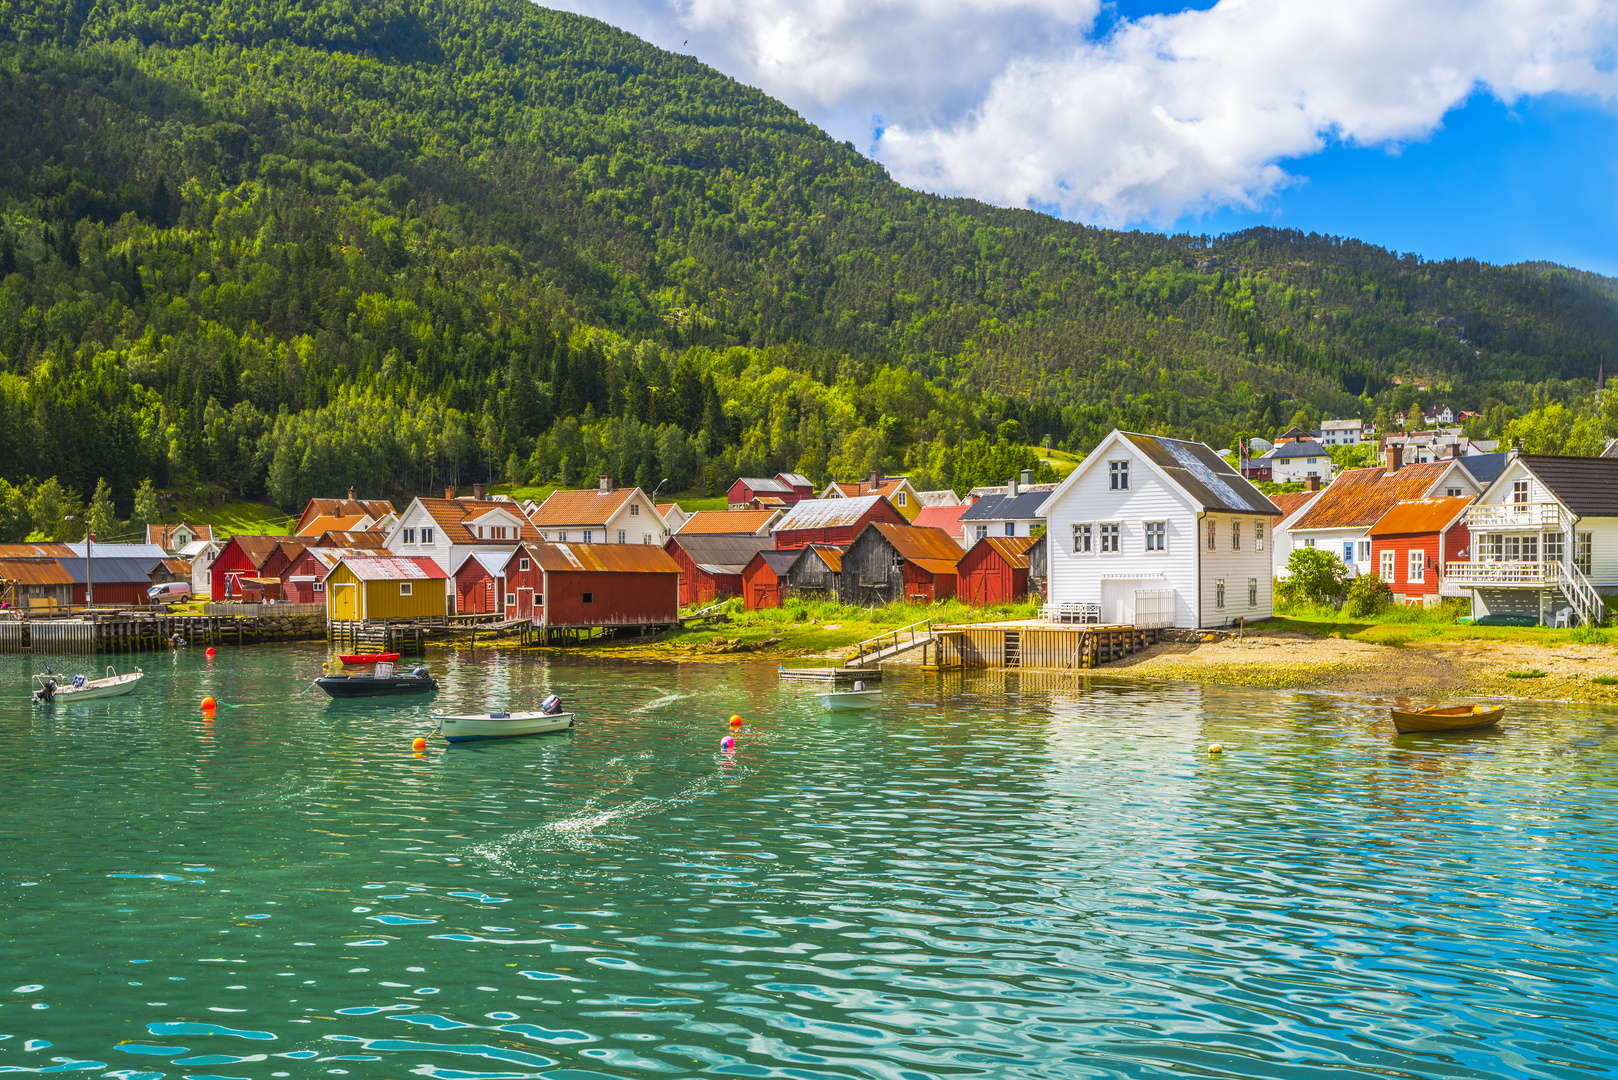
(728, 743)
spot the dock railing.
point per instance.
(891, 643)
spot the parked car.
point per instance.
(169, 592)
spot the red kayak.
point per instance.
(368, 658)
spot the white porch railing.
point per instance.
(1509, 516)
(1535, 575)
(1154, 607)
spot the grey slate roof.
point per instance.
(1484, 467)
(1295, 450)
(1588, 486)
(1022, 506)
(1204, 475)
(721, 553)
(111, 570)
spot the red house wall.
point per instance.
(761, 586)
(476, 590)
(924, 587)
(616, 599)
(988, 579)
(518, 579)
(839, 535)
(1401, 546)
(699, 586)
(115, 593)
(232, 562)
(303, 592)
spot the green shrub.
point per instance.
(1590, 635)
(1367, 595)
(1605, 680)
(1315, 576)
(1535, 673)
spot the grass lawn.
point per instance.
(1425, 626)
(228, 519)
(1061, 461)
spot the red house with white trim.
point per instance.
(1413, 541)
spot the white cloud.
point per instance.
(1010, 101)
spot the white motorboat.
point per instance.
(850, 700)
(475, 726)
(51, 687)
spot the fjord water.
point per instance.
(991, 876)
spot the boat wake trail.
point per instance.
(658, 703)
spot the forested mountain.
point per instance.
(288, 245)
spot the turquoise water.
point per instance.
(986, 878)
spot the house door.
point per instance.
(525, 603)
(1118, 601)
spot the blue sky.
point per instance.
(1453, 128)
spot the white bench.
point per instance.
(1073, 613)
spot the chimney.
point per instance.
(606, 483)
(1454, 449)
(1396, 456)
(478, 490)
(876, 478)
(449, 493)
(1028, 476)
(1312, 482)
(352, 495)
(1011, 488)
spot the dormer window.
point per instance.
(410, 536)
(902, 499)
(1119, 472)
(426, 536)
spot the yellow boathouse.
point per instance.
(363, 588)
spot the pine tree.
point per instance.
(145, 511)
(103, 521)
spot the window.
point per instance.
(1157, 536)
(480, 532)
(646, 538)
(1252, 592)
(1081, 539)
(1452, 493)
(1109, 537)
(1418, 566)
(634, 509)
(1210, 536)
(1530, 548)
(1235, 536)
(1348, 552)
(1309, 542)
(1258, 535)
(1011, 528)
(1581, 552)
(320, 586)
(511, 599)
(410, 536)
(1312, 461)
(1364, 554)
(903, 499)
(1519, 492)
(980, 532)
(621, 536)
(1492, 547)
(1219, 594)
(1386, 573)
(207, 577)
(1119, 471)
(522, 564)
(1553, 547)
(588, 533)
(1513, 548)
(589, 598)
(405, 588)
(426, 536)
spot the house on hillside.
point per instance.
(1015, 513)
(834, 521)
(947, 518)
(764, 578)
(1293, 461)
(1544, 541)
(785, 489)
(174, 538)
(994, 570)
(711, 564)
(375, 588)
(1413, 542)
(450, 530)
(1340, 517)
(731, 522)
(896, 489)
(889, 563)
(344, 515)
(600, 515)
(1150, 531)
(1342, 432)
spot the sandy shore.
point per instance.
(1469, 669)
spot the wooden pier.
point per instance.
(115, 631)
(1031, 644)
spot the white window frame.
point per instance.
(511, 599)
(1111, 531)
(588, 533)
(410, 536)
(902, 499)
(1235, 536)
(1363, 552)
(634, 509)
(646, 538)
(1252, 592)
(621, 535)
(1258, 535)
(1157, 536)
(522, 564)
(1388, 565)
(406, 588)
(1519, 493)
(320, 586)
(1416, 567)
(1083, 539)
(981, 531)
(1118, 471)
(426, 536)
(1219, 593)
(1213, 537)
(1582, 546)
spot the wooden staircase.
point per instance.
(871, 652)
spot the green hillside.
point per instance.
(278, 248)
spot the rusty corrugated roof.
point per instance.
(831, 556)
(1359, 497)
(370, 567)
(1420, 516)
(1013, 549)
(826, 513)
(1288, 502)
(36, 551)
(727, 521)
(916, 544)
(34, 571)
(364, 539)
(605, 558)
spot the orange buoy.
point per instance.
(735, 721)
(208, 703)
(419, 744)
(209, 653)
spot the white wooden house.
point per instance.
(450, 530)
(600, 515)
(1544, 540)
(1159, 532)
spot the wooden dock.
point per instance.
(1031, 644)
(108, 631)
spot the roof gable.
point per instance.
(1193, 469)
(1358, 498)
(585, 506)
(1421, 516)
(451, 515)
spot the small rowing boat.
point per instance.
(474, 727)
(382, 681)
(368, 658)
(850, 700)
(1453, 718)
(51, 687)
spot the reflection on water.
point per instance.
(995, 875)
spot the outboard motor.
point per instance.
(46, 692)
(551, 705)
(419, 673)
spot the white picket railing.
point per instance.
(1513, 516)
